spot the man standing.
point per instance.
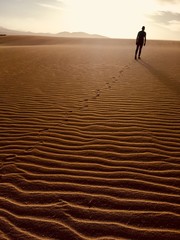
(140, 41)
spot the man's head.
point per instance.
(143, 28)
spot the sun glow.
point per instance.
(111, 18)
(115, 18)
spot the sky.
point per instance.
(111, 18)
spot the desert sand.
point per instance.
(89, 139)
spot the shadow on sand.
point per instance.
(170, 82)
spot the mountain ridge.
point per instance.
(6, 31)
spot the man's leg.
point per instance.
(140, 48)
(136, 51)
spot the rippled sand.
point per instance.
(89, 139)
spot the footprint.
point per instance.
(97, 92)
(30, 149)
(43, 130)
(11, 157)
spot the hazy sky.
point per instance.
(112, 18)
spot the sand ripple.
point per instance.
(90, 143)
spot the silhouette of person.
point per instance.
(140, 41)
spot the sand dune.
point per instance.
(90, 139)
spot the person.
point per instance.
(140, 41)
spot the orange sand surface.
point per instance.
(89, 139)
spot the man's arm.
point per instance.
(137, 39)
(145, 40)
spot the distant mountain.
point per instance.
(61, 34)
(16, 32)
(79, 35)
